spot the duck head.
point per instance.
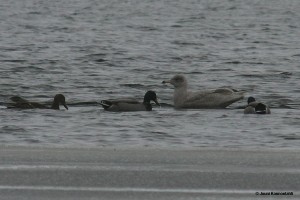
(59, 99)
(151, 95)
(177, 81)
(251, 99)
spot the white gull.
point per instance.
(219, 98)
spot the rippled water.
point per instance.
(92, 50)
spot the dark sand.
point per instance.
(37, 173)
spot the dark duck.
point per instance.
(127, 105)
(255, 107)
(21, 103)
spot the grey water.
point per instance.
(92, 50)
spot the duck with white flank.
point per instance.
(127, 105)
(219, 98)
(21, 103)
(255, 107)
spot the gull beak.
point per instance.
(167, 81)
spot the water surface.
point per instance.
(91, 50)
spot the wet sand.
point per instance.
(143, 173)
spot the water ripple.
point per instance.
(91, 51)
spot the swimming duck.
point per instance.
(21, 103)
(219, 98)
(127, 105)
(255, 107)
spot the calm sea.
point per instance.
(92, 50)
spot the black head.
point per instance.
(251, 99)
(59, 99)
(150, 95)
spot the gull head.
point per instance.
(177, 81)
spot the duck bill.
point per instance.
(156, 102)
(65, 105)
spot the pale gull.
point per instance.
(219, 98)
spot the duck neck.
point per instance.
(55, 105)
(180, 94)
(147, 105)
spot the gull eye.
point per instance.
(178, 79)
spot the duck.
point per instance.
(21, 103)
(211, 99)
(127, 105)
(255, 107)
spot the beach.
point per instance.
(148, 173)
